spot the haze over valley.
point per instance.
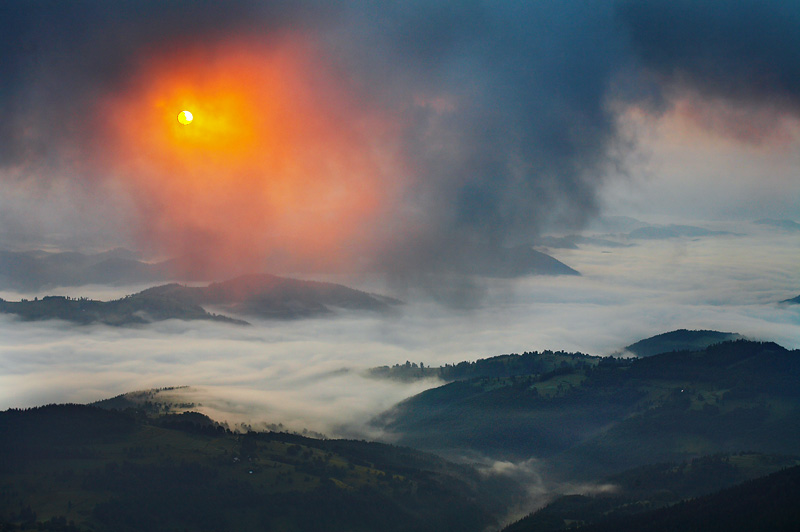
(308, 373)
(429, 266)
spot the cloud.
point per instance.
(744, 51)
(541, 484)
(731, 69)
(405, 138)
(381, 134)
(308, 373)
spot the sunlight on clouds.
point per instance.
(709, 160)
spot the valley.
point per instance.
(436, 266)
(641, 434)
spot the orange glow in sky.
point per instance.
(279, 162)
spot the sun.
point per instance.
(185, 118)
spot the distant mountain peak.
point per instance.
(679, 340)
(263, 295)
(271, 296)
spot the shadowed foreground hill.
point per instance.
(532, 362)
(770, 504)
(543, 362)
(653, 487)
(591, 420)
(266, 296)
(113, 471)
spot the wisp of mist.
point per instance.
(310, 374)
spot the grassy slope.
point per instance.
(263, 295)
(596, 420)
(651, 487)
(132, 310)
(107, 470)
(768, 504)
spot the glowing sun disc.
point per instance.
(185, 118)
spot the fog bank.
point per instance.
(308, 373)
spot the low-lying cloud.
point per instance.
(309, 373)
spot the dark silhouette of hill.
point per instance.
(768, 504)
(37, 270)
(107, 470)
(484, 261)
(792, 301)
(592, 419)
(502, 366)
(271, 296)
(516, 262)
(264, 295)
(138, 309)
(536, 362)
(546, 361)
(680, 340)
(651, 487)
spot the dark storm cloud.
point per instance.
(507, 127)
(510, 132)
(529, 125)
(58, 57)
(745, 50)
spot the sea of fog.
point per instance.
(308, 374)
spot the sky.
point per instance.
(394, 137)
(386, 145)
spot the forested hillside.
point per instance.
(105, 470)
(652, 487)
(596, 419)
(265, 296)
(502, 366)
(767, 504)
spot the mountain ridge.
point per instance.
(678, 340)
(650, 497)
(35, 270)
(261, 295)
(107, 470)
(592, 419)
